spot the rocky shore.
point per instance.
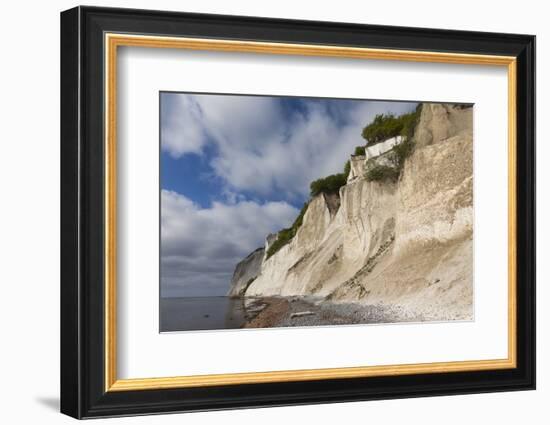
(271, 312)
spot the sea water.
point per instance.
(201, 313)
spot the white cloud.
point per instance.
(200, 247)
(181, 131)
(262, 149)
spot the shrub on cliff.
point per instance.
(329, 184)
(299, 220)
(406, 148)
(382, 173)
(409, 122)
(359, 151)
(285, 236)
(386, 126)
(347, 168)
(402, 152)
(397, 157)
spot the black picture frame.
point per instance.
(83, 392)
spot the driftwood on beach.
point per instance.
(301, 314)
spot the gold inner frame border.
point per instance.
(112, 41)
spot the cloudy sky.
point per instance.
(235, 168)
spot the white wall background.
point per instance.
(29, 213)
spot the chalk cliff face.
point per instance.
(357, 163)
(245, 272)
(440, 121)
(406, 244)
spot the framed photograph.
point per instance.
(261, 212)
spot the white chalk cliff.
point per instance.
(245, 273)
(405, 244)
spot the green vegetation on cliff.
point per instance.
(285, 236)
(328, 184)
(386, 126)
(399, 153)
(359, 151)
(382, 127)
(382, 173)
(347, 168)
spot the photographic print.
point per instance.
(298, 211)
(324, 192)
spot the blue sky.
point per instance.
(235, 168)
